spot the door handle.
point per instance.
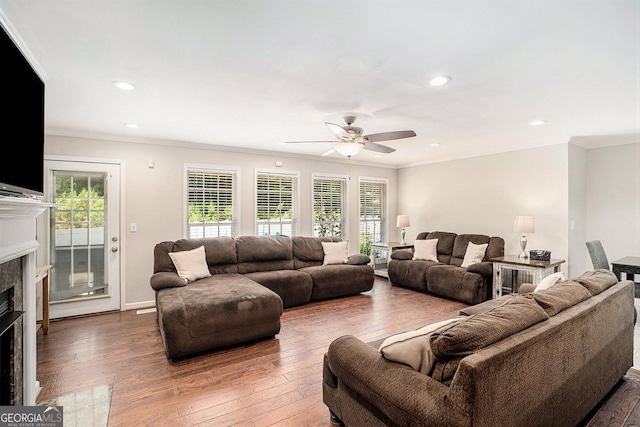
(114, 249)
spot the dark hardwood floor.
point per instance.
(275, 382)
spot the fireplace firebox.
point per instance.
(11, 360)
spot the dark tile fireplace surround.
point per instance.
(11, 324)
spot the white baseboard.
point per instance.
(139, 305)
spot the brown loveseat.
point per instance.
(446, 277)
(251, 280)
(542, 359)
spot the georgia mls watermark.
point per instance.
(31, 416)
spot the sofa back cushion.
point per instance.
(308, 252)
(560, 296)
(462, 243)
(481, 330)
(598, 280)
(220, 254)
(445, 244)
(495, 248)
(264, 253)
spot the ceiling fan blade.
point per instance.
(338, 130)
(304, 142)
(388, 136)
(378, 147)
(326, 153)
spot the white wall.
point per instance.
(577, 211)
(613, 199)
(599, 189)
(483, 195)
(154, 197)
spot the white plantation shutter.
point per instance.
(211, 203)
(329, 211)
(276, 204)
(373, 219)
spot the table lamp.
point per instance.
(403, 221)
(524, 224)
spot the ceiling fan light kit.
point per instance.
(347, 148)
(351, 141)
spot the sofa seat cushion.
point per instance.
(409, 273)
(597, 281)
(294, 287)
(332, 281)
(560, 296)
(457, 283)
(217, 311)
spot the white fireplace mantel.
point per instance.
(18, 239)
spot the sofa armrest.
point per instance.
(483, 268)
(166, 279)
(402, 254)
(358, 259)
(385, 385)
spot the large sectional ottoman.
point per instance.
(249, 281)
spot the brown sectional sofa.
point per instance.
(446, 277)
(252, 280)
(545, 358)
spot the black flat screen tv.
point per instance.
(22, 159)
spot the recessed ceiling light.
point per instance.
(124, 85)
(132, 125)
(439, 80)
(377, 155)
(435, 144)
(538, 122)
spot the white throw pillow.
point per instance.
(474, 254)
(191, 265)
(335, 252)
(426, 249)
(549, 281)
(412, 348)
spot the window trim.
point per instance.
(188, 167)
(345, 201)
(295, 222)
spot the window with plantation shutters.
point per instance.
(329, 212)
(276, 201)
(373, 221)
(211, 196)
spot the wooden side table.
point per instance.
(386, 248)
(42, 273)
(510, 271)
(630, 266)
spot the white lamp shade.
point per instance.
(524, 224)
(348, 149)
(403, 221)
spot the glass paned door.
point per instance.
(83, 239)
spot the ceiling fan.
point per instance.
(351, 140)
